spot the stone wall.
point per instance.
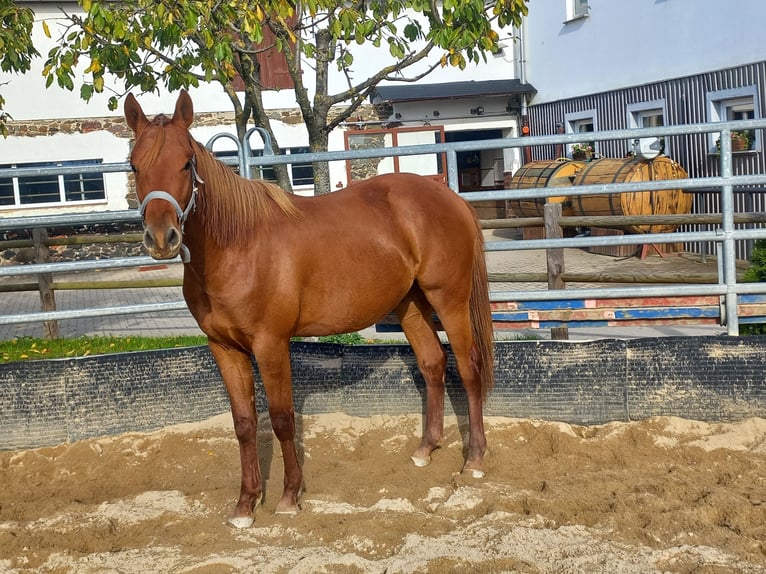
(21, 254)
(117, 125)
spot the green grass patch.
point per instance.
(30, 348)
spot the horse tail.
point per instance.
(481, 314)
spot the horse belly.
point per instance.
(355, 299)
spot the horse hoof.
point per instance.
(241, 521)
(419, 461)
(474, 472)
(288, 509)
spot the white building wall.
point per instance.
(27, 99)
(626, 43)
(70, 147)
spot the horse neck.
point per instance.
(233, 209)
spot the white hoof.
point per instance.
(476, 473)
(420, 461)
(241, 521)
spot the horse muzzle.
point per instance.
(163, 243)
(165, 240)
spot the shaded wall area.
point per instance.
(704, 378)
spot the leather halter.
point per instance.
(181, 213)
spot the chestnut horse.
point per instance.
(263, 265)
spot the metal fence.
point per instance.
(723, 236)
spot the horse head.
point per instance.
(163, 162)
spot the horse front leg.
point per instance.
(273, 357)
(237, 374)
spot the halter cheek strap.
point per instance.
(182, 214)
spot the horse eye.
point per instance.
(188, 165)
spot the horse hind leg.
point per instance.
(454, 316)
(415, 317)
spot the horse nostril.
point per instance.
(173, 237)
(148, 239)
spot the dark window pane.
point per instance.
(39, 189)
(303, 173)
(6, 191)
(84, 186)
(265, 172)
(225, 155)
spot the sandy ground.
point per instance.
(663, 495)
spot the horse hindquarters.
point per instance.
(459, 294)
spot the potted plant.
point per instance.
(582, 151)
(740, 141)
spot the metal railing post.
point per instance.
(727, 228)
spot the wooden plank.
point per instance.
(655, 313)
(571, 313)
(686, 300)
(44, 281)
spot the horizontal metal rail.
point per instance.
(724, 236)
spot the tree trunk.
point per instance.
(318, 140)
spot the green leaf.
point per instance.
(86, 92)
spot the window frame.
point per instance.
(266, 172)
(637, 111)
(60, 185)
(575, 119)
(719, 103)
(577, 9)
(391, 137)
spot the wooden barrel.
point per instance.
(626, 170)
(558, 173)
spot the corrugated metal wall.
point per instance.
(685, 102)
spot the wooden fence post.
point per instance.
(44, 280)
(555, 259)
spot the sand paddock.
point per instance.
(661, 495)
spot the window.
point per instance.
(582, 123)
(301, 174)
(731, 105)
(69, 188)
(648, 115)
(433, 165)
(577, 9)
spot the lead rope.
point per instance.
(182, 214)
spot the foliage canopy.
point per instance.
(16, 48)
(177, 44)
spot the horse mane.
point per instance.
(234, 208)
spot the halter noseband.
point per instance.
(181, 213)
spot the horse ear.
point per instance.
(184, 109)
(134, 115)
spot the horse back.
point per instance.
(398, 205)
